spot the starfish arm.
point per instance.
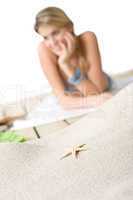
(82, 149)
(66, 155)
(82, 145)
(74, 152)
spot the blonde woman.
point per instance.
(71, 63)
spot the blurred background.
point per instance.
(20, 71)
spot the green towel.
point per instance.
(11, 136)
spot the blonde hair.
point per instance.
(57, 17)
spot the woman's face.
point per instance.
(53, 36)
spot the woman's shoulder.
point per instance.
(88, 40)
(87, 35)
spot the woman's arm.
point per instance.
(74, 100)
(95, 72)
(49, 66)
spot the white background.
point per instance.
(20, 71)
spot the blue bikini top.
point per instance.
(74, 80)
(77, 77)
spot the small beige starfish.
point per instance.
(74, 151)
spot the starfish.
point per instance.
(74, 151)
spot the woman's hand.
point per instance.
(68, 46)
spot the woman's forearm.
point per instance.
(85, 87)
(73, 101)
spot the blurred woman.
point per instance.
(71, 63)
